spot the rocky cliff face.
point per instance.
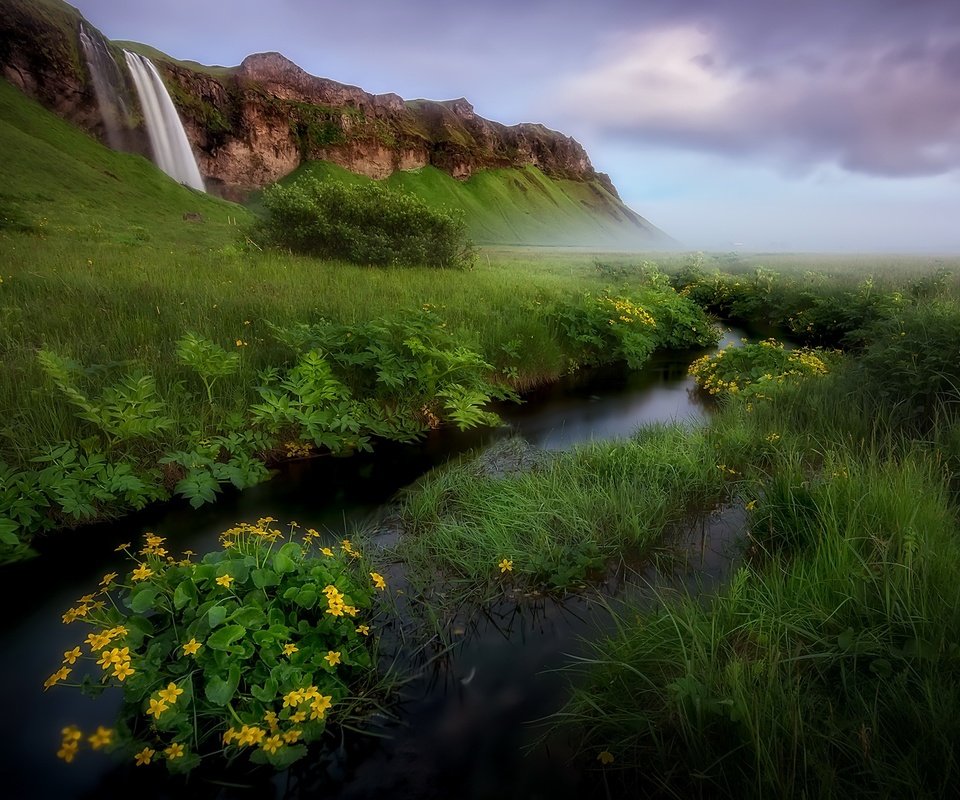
(254, 124)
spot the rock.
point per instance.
(253, 124)
(192, 216)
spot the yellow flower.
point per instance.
(191, 647)
(60, 675)
(292, 699)
(310, 693)
(289, 649)
(109, 578)
(171, 693)
(124, 546)
(225, 580)
(86, 599)
(318, 708)
(71, 733)
(363, 630)
(250, 734)
(292, 735)
(69, 616)
(101, 737)
(271, 719)
(118, 656)
(299, 716)
(97, 641)
(71, 656)
(174, 751)
(505, 566)
(230, 734)
(144, 756)
(332, 657)
(157, 707)
(67, 751)
(378, 580)
(751, 505)
(272, 744)
(141, 573)
(327, 552)
(605, 757)
(122, 671)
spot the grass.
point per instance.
(563, 519)
(828, 667)
(104, 234)
(517, 206)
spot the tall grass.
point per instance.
(829, 667)
(567, 516)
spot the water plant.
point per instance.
(253, 651)
(754, 369)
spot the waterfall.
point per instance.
(108, 87)
(171, 150)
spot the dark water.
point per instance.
(462, 728)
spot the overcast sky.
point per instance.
(766, 124)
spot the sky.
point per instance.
(800, 125)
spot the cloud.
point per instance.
(873, 104)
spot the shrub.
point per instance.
(629, 327)
(365, 224)
(753, 369)
(254, 650)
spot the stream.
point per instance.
(462, 728)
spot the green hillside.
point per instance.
(62, 179)
(518, 206)
(59, 179)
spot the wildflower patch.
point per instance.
(252, 651)
(753, 370)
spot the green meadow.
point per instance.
(148, 353)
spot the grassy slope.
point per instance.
(60, 179)
(158, 55)
(519, 206)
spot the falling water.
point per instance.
(171, 150)
(108, 87)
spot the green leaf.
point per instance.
(306, 597)
(185, 593)
(216, 616)
(225, 636)
(8, 532)
(219, 690)
(264, 577)
(285, 559)
(249, 617)
(267, 692)
(142, 600)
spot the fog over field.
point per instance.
(734, 124)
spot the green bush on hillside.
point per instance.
(365, 224)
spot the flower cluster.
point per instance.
(240, 651)
(753, 369)
(623, 310)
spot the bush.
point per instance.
(365, 224)
(255, 650)
(753, 369)
(629, 327)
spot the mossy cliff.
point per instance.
(253, 124)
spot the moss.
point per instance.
(46, 32)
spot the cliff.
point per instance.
(255, 123)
